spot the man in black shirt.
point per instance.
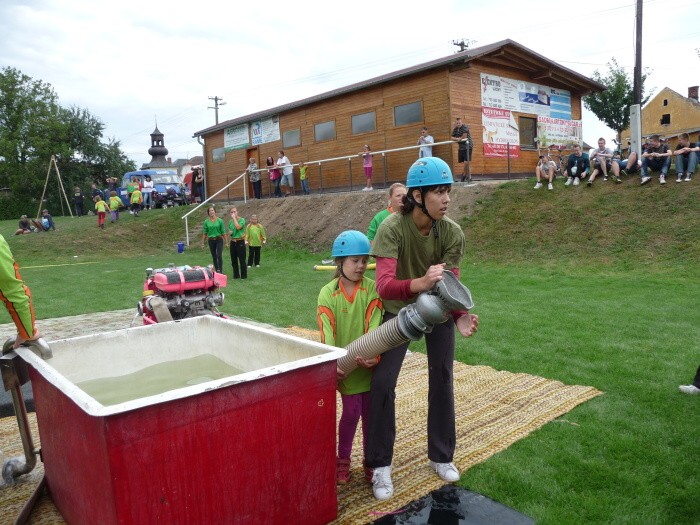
(461, 135)
(656, 157)
(686, 154)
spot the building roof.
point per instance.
(506, 53)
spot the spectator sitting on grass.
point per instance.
(47, 221)
(24, 226)
(545, 169)
(625, 166)
(686, 154)
(602, 162)
(577, 166)
(655, 157)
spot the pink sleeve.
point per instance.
(388, 286)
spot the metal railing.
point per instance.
(319, 163)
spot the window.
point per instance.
(665, 102)
(218, 155)
(291, 138)
(324, 131)
(364, 123)
(528, 132)
(666, 119)
(408, 114)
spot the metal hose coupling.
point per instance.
(431, 308)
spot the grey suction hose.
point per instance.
(431, 308)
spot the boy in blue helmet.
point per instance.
(349, 307)
(413, 249)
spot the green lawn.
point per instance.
(595, 288)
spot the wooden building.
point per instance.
(669, 114)
(507, 94)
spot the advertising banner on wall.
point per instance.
(236, 137)
(525, 97)
(559, 133)
(266, 130)
(500, 131)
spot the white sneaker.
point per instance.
(549, 186)
(447, 471)
(645, 180)
(689, 389)
(687, 177)
(257, 266)
(538, 186)
(662, 179)
(382, 485)
(577, 182)
(569, 181)
(680, 178)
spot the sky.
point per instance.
(133, 64)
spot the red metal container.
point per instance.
(257, 447)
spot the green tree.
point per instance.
(612, 106)
(33, 127)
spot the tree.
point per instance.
(33, 127)
(612, 106)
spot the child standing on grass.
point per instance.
(255, 238)
(302, 177)
(136, 200)
(114, 204)
(101, 208)
(349, 307)
(367, 165)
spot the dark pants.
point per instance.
(253, 255)
(278, 191)
(216, 246)
(257, 189)
(440, 344)
(696, 381)
(79, 209)
(237, 250)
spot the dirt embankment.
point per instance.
(314, 221)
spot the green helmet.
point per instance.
(428, 171)
(350, 242)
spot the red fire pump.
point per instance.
(179, 292)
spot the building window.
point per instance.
(324, 131)
(218, 155)
(665, 102)
(291, 138)
(528, 132)
(665, 119)
(364, 123)
(408, 114)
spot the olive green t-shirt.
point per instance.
(399, 238)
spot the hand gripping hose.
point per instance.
(431, 308)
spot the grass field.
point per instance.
(596, 287)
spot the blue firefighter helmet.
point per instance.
(350, 242)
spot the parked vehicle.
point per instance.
(168, 189)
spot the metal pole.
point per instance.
(320, 177)
(469, 162)
(187, 231)
(385, 170)
(350, 168)
(228, 193)
(508, 157)
(637, 88)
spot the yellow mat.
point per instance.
(494, 409)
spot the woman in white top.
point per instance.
(147, 191)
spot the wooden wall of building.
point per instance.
(443, 94)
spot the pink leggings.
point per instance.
(355, 406)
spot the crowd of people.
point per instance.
(604, 162)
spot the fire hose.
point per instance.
(431, 308)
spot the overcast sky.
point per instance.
(129, 62)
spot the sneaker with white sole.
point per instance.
(568, 182)
(689, 389)
(645, 180)
(538, 186)
(662, 179)
(687, 177)
(446, 471)
(577, 182)
(549, 186)
(680, 178)
(382, 485)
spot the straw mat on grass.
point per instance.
(494, 409)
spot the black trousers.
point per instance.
(253, 255)
(257, 189)
(216, 247)
(440, 344)
(237, 249)
(696, 381)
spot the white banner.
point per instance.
(236, 137)
(264, 131)
(525, 97)
(500, 131)
(559, 133)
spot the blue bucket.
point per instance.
(180, 247)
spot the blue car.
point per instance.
(168, 189)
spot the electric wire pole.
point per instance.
(217, 102)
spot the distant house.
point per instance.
(512, 98)
(669, 114)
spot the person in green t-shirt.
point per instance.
(214, 231)
(396, 194)
(349, 307)
(136, 199)
(412, 249)
(255, 237)
(303, 178)
(114, 204)
(236, 231)
(101, 207)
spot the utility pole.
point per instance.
(217, 102)
(636, 107)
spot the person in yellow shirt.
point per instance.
(114, 204)
(136, 200)
(101, 208)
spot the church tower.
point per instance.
(157, 151)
